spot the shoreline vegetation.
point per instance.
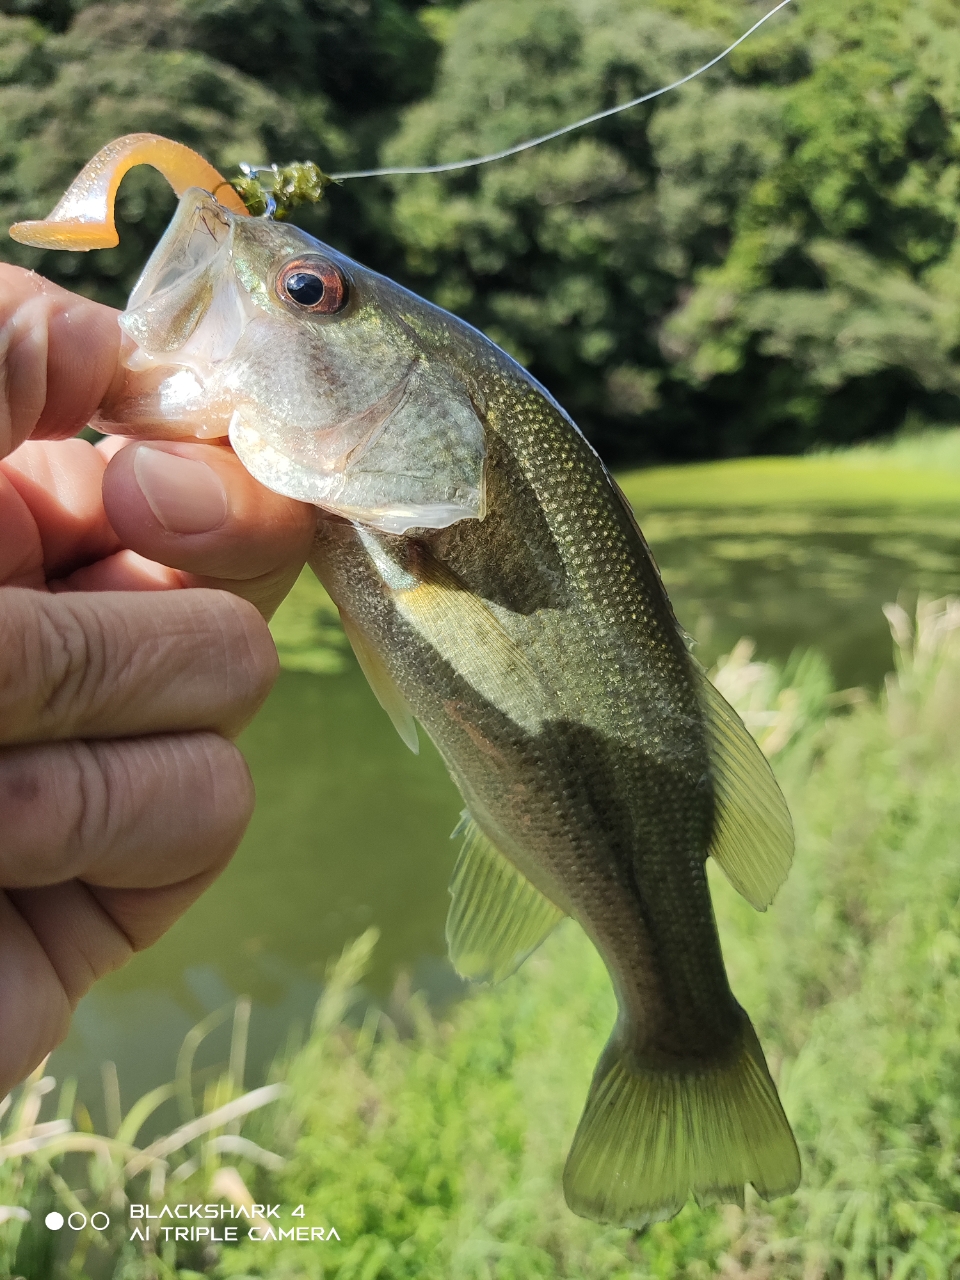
(433, 1143)
(920, 469)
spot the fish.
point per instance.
(499, 593)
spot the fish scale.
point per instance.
(608, 809)
(615, 662)
(649, 942)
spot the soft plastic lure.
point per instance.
(83, 219)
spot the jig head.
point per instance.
(271, 191)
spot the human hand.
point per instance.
(121, 796)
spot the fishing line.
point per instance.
(556, 133)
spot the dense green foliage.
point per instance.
(434, 1145)
(763, 260)
(759, 261)
(254, 80)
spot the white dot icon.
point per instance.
(54, 1221)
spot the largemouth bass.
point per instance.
(497, 589)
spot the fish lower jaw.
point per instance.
(162, 403)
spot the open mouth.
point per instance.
(186, 315)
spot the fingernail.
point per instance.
(185, 496)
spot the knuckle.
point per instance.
(88, 805)
(15, 659)
(23, 366)
(172, 806)
(70, 662)
(57, 806)
(49, 663)
(133, 813)
(224, 778)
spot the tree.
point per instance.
(761, 260)
(766, 259)
(231, 78)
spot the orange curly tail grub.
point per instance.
(84, 217)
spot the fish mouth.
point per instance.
(185, 316)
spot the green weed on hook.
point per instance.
(272, 191)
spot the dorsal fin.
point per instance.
(497, 918)
(752, 833)
(381, 682)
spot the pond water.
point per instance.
(803, 578)
(352, 830)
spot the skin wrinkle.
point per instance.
(194, 765)
(250, 660)
(74, 985)
(142, 658)
(17, 670)
(59, 356)
(133, 910)
(21, 560)
(62, 669)
(96, 804)
(28, 975)
(62, 491)
(74, 662)
(71, 948)
(64, 796)
(67, 667)
(234, 645)
(154, 770)
(144, 814)
(132, 944)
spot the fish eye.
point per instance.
(312, 284)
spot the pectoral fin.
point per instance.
(497, 918)
(469, 636)
(753, 834)
(382, 683)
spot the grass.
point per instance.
(61, 1164)
(434, 1146)
(912, 471)
(440, 1154)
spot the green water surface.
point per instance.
(351, 829)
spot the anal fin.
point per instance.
(382, 683)
(497, 918)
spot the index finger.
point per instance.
(59, 354)
(120, 664)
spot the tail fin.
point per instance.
(649, 1138)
